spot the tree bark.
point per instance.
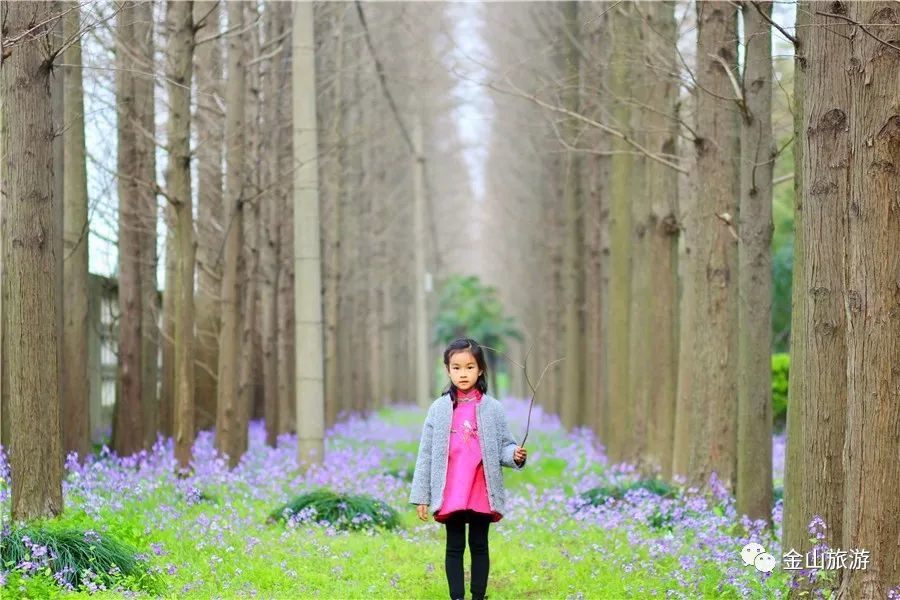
(229, 440)
(308, 300)
(660, 224)
(178, 183)
(572, 409)
(145, 171)
(754, 429)
(75, 385)
(287, 419)
(30, 256)
(872, 303)
(208, 118)
(167, 376)
(248, 265)
(814, 474)
(620, 412)
(270, 216)
(332, 249)
(128, 436)
(713, 271)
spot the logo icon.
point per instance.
(755, 555)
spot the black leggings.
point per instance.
(478, 548)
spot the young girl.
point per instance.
(465, 441)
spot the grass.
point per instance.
(212, 536)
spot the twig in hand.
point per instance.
(524, 367)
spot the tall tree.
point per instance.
(814, 472)
(145, 189)
(331, 255)
(624, 31)
(754, 428)
(659, 224)
(75, 385)
(308, 300)
(713, 269)
(872, 299)
(30, 256)
(287, 384)
(128, 421)
(179, 15)
(208, 119)
(229, 439)
(572, 409)
(273, 127)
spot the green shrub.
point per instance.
(339, 510)
(77, 557)
(781, 364)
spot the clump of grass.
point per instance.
(599, 495)
(341, 511)
(77, 558)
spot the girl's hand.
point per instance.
(519, 455)
(422, 509)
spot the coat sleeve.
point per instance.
(507, 444)
(421, 483)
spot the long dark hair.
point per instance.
(470, 345)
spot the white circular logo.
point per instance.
(764, 562)
(751, 551)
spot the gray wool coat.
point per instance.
(497, 446)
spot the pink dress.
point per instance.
(466, 488)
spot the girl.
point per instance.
(465, 441)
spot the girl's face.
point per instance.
(463, 370)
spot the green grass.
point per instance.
(224, 547)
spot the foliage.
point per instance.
(782, 272)
(74, 558)
(468, 308)
(342, 511)
(781, 364)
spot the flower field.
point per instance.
(577, 526)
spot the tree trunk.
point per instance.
(308, 300)
(178, 184)
(660, 353)
(208, 118)
(624, 33)
(872, 302)
(128, 436)
(596, 228)
(332, 249)
(57, 97)
(572, 410)
(270, 216)
(228, 418)
(754, 430)
(167, 376)
(639, 323)
(420, 207)
(29, 228)
(814, 474)
(713, 271)
(287, 412)
(145, 171)
(248, 358)
(76, 389)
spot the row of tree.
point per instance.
(256, 110)
(645, 177)
(44, 376)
